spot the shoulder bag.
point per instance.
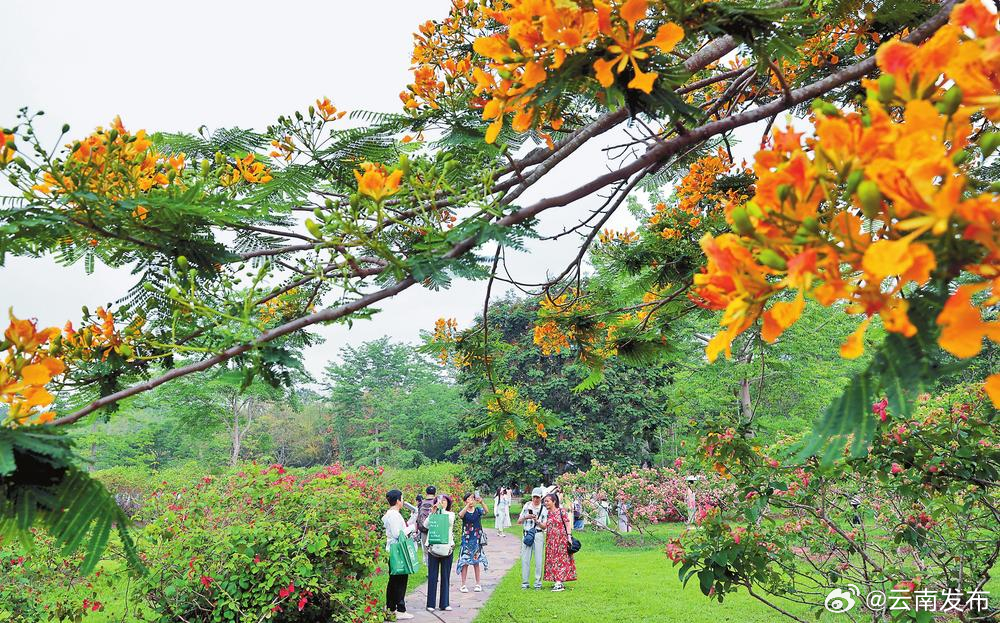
(573, 544)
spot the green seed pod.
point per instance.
(952, 100)
(771, 259)
(870, 197)
(313, 228)
(853, 180)
(886, 88)
(741, 222)
(989, 143)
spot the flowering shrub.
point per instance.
(645, 495)
(919, 511)
(265, 543)
(42, 584)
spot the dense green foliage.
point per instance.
(651, 411)
(391, 407)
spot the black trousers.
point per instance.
(395, 593)
(439, 568)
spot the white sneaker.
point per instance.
(429, 609)
(463, 589)
(447, 608)
(524, 585)
(478, 588)
(558, 587)
(403, 616)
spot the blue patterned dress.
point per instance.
(472, 552)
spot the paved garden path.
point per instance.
(503, 552)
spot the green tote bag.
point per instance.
(438, 528)
(403, 558)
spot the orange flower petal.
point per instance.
(643, 81)
(633, 11)
(993, 389)
(854, 347)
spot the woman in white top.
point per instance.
(440, 557)
(501, 508)
(396, 528)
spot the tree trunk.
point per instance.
(237, 436)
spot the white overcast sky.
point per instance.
(177, 66)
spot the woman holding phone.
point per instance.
(472, 554)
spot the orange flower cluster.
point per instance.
(550, 338)
(506, 401)
(881, 201)
(445, 332)
(284, 148)
(610, 236)
(7, 148)
(375, 182)
(557, 329)
(112, 163)
(698, 184)
(25, 370)
(327, 111)
(101, 338)
(279, 307)
(440, 64)
(246, 169)
(536, 37)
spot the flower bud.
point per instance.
(870, 197)
(313, 228)
(772, 259)
(952, 100)
(854, 180)
(741, 222)
(886, 88)
(989, 143)
(65, 128)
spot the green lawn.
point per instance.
(625, 585)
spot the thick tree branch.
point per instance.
(654, 155)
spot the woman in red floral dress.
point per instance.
(559, 565)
